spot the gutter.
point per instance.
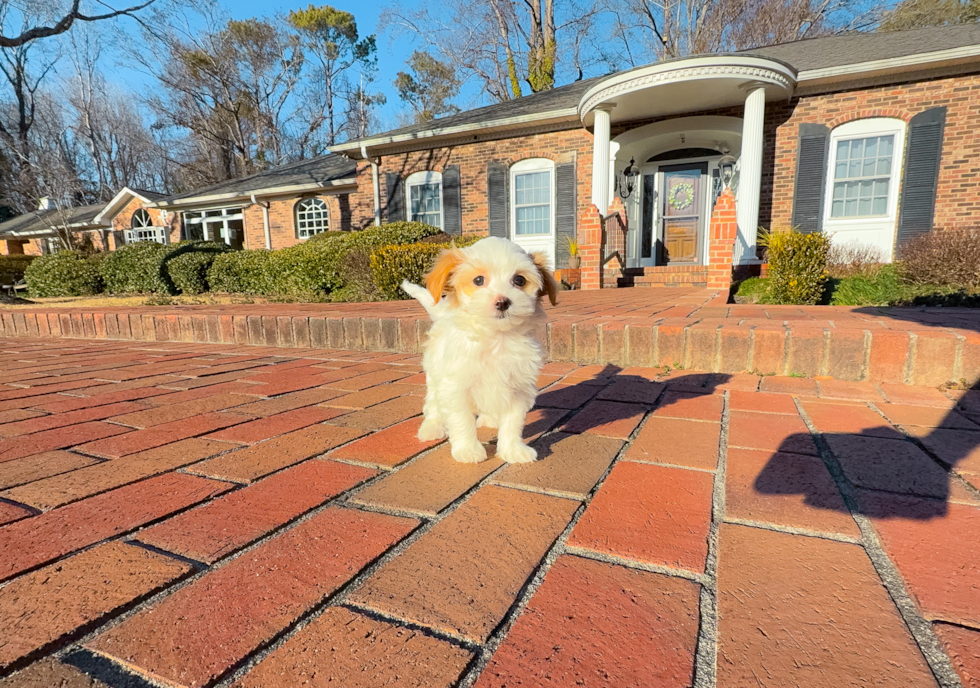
(265, 221)
(375, 182)
(269, 191)
(935, 59)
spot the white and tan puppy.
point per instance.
(482, 356)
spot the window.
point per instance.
(143, 229)
(862, 175)
(424, 195)
(533, 198)
(311, 217)
(862, 183)
(225, 225)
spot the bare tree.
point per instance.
(503, 44)
(49, 19)
(429, 88)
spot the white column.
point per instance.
(600, 159)
(750, 174)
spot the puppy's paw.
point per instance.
(485, 421)
(431, 430)
(517, 453)
(470, 452)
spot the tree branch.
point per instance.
(65, 23)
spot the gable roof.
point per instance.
(817, 59)
(43, 222)
(325, 171)
(121, 200)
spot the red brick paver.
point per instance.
(679, 527)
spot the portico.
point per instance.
(677, 155)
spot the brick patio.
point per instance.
(196, 514)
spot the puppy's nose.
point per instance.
(502, 303)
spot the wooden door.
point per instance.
(681, 212)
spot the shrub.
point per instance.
(945, 258)
(357, 278)
(138, 268)
(12, 268)
(854, 260)
(188, 267)
(241, 272)
(392, 264)
(66, 273)
(797, 267)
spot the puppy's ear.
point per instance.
(549, 285)
(439, 275)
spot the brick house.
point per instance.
(870, 137)
(271, 209)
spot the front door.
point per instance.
(682, 205)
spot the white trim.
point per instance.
(779, 77)
(193, 201)
(533, 242)
(417, 179)
(878, 230)
(564, 114)
(111, 209)
(903, 63)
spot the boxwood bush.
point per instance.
(12, 268)
(138, 268)
(797, 267)
(241, 272)
(188, 266)
(66, 273)
(392, 264)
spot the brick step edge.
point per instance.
(916, 358)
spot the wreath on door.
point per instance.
(681, 195)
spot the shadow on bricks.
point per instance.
(907, 474)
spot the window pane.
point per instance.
(881, 187)
(864, 206)
(884, 166)
(311, 217)
(842, 149)
(534, 219)
(840, 171)
(857, 148)
(885, 145)
(880, 206)
(838, 209)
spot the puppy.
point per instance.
(482, 356)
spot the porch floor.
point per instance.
(680, 327)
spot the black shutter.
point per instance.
(921, 177)
(811, 177)
(565, 211)
(396, 197)
(497, 199)
(452, 215)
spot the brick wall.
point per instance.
(574, 145)
(957, 201)
(282, 225)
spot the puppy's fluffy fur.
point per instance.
(482, 357)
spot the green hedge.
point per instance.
(66, 273)
(147, 267)
(188, 268)
(797, 267)
(12, 268)
(241, 272)
(392, 264)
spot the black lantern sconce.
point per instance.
(626, 180)
(727, 167)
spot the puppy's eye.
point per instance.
(478, 280)
(519, 281)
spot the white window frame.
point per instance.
(418, 179)
(534, 242)
(216, 222)
(145, 230)
(876, 230)
(296, 219)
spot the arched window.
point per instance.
(424, 197)
(863, 178)
(141, 219)
(311, 217)
(143, 229)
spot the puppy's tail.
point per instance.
(420, 294)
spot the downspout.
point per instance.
(374, 182)
(265, 221)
